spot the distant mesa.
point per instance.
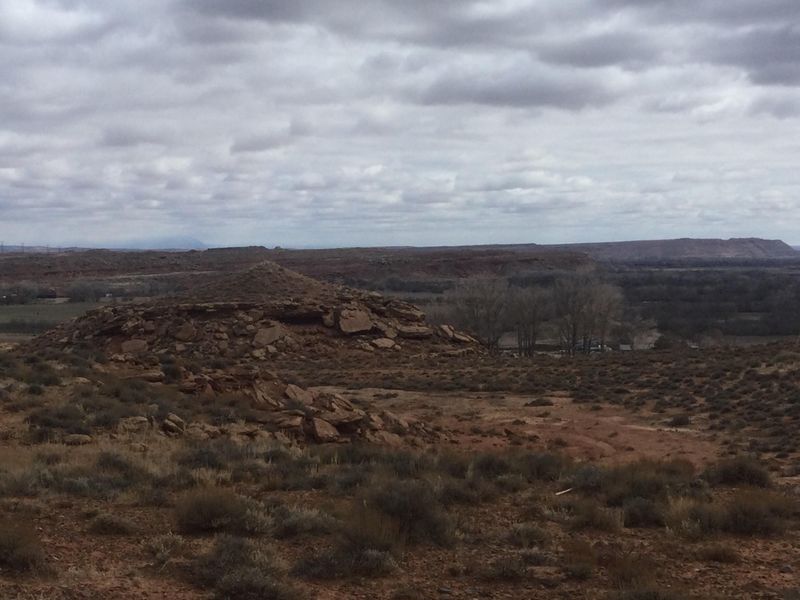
(683, 249)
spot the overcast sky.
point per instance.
(378, 122)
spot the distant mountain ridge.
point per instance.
(682, 249)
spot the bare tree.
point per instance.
(528, 308)
(480, 307)
(571, 304)
(606, 309)
(585, 312)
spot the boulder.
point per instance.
(173, 424)
(134, 346)
(394, 422)
(446, 331)
(202, 431)
(154, 376)
(386, 329)
(186, 333)
(354, 320)
(267, 336)
(384, 437)
(414, 332)
(464, 338)
(383, 343)
(406, 312)
(133, 424)
(323, 431)
(289, 421)
(298, 394)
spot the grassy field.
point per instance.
(35, 318)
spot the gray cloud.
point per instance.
(313, 122)
(523, 85)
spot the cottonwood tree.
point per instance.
(527, 309)
(480, 307)
(585, 310)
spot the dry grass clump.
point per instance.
(747, 513)
(209, 510)
(244, 569)
(164, 548)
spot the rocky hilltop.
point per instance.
(223, 337)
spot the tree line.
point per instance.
(581, 310)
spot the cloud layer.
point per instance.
(370, 122)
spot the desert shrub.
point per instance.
(42, 374)
(679, 421)
(20, 548)
(627, 570)
(206, 510)
(490, 466)
(588, 514)
(415, 507)
(21, 484)
(641, 512)
(163, 548)
(750, 513)
(465, 491)
(578, 559)
(66, 417)
(367, 547)
(293, 521)
(527, 535)
(123, 468)
(542, 466)
(346, 561)
(252, 584)
(106, 524)
(347, 479)
(201, 457)
(740, 470)
(243, 569)
(647, 479)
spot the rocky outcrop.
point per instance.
(251, 319)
